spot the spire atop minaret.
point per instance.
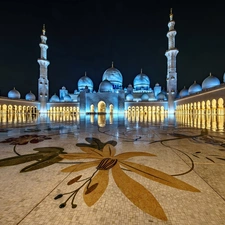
(171, 14)
(43, 29)
(141, 70)
(112, 64)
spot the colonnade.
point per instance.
(64, 110)
(207, 107)
(145, 114)
(14, 109)
(146, 109)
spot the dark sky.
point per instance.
(87, 35)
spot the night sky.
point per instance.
(87, 35)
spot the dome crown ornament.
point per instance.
(43, 29)
(171, 14)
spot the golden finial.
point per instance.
(141, 70)
(112, 65)
(43, 29)
(171, 14)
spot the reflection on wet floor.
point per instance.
(112, 169)
(210, 122)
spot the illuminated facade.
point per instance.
(112, 98)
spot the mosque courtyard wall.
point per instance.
(8, 105)
(210, 101)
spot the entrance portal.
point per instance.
(101, 107)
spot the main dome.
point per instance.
(85, 81)
(114, 76)
(194, 88)
(14, 94)
(141, 81)
(210, 82)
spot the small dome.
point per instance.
(141, 81)
(129, 97)
(129, 89)
(152, 96)
(114, 76)
(144, 97)
(83, 82)
(67, 98)
(14, 94)
(30, 97)
(183, 92)
(210, 82)
(105, 86)
(194, 88)
(161, 96)
(54, 98)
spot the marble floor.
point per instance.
(103, 170)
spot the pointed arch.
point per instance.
(101, 107)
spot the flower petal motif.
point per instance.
(45, 156)
(158, 176)
(95, 143)
(108, 151)
(127, 155)
(81, 166)
(75, 156)
(25, 139)
(19, 159)
(137, 193)
(48, 160)
(102, 179)
(91, 151)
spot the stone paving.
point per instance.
(189, 189)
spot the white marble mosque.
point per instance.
(112, 98)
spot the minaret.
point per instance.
(171, 54)
(43, 83)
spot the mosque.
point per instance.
(112, 98)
